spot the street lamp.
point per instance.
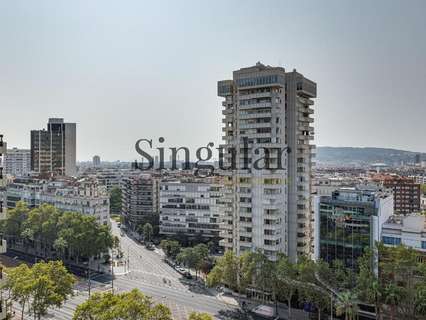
(112, 271)
(89, 281)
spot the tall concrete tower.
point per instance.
(53, 151)
(267, 133)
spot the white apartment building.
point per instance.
(190, 208)
(108, 177)
(267, 116)
(408, 230)
(84, 196)
(18, 162)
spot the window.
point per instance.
(391, 240)
(423, 244)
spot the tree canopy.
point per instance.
(133, 305)
(44, 285)
(115, 200)
(396, 285)
(51, 233)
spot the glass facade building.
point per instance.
(349, 222)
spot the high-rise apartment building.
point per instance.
(53, 151)
(268, 132)
(18, 162)
(96, 161)
(407, 193)
(140, 199)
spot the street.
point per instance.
(148, 273)
(154, 278)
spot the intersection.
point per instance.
(150, 274)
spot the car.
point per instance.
(187, 275)
(150, 246)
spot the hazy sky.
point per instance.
(125, 70)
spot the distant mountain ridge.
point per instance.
(365, 155)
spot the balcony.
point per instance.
(255, 125)
(256, 115)
(256, 105)
(265, 94)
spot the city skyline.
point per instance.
(118, 88)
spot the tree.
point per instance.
(51, 233)
(194, 258)
(115, 200)
(171, 248)
(51, 285)
(187, 257)
(347, 304)
(12, 227)
(392, 279)
(234, 272)
(368, 286)
(147, 230)
(44, 285)
(133, 305)
(201, 252)
(200, 316)
(286, 276)
(19, 284)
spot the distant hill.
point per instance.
(354, 155)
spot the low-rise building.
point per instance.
(191, 207)
(108, 177)
(324, 185)
(349, 221)
(85, 196)
(407, 230)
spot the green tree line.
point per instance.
(49, 232)
(396, 285)
(196, 258)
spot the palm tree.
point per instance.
(393, 297)
(347, 304)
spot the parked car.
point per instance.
(180, 269)
(150, 246)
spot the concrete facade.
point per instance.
(18, 162)
(53, 151)
(190, 208)
(267, 117)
